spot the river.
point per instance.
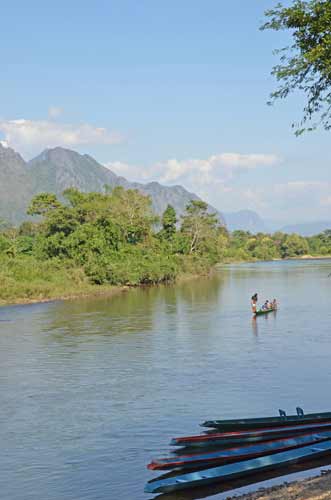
(91, 390)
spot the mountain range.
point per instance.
(55, 170)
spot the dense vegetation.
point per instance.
(242, 245)
(92, 241)
(95, 240)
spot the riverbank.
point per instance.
(315, 488)
(69, 289)
(313, 257)
(92, 291)
(71, 284)
(298, 257)
(28, 281)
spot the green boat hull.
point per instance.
(262, 311)
(268, 422)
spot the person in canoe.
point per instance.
(254, 300)
(270, 304)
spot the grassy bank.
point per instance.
(26, 280)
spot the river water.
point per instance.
(91, 390)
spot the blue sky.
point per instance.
(171, 91)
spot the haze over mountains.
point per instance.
(307, 228)
(247, 220)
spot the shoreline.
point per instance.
(310, 488)
(308, 257)
(299, 257)
(104, 292)
(111, 290)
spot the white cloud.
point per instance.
(326, 201)
(297, 187)
(292, 201)
(221, 168)
(54, 112)
(28, 135)
(213, 178)
(216, 179)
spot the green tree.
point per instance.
(240, 238)
(265, 248)
(133, 212)
(305, 65)
(4, 244)
(169, 221)
(293, 246)
(28, 228)
(42, 203)
(320, 244)
(4, 224)
(200, 227)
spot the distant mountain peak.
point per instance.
(9, 157)
(57, 154)
(56, 169)
(246, 220)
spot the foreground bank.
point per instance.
(316, 488)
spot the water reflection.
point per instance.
(255, 328)
(206, 292)
(130, 313)
(137, 310)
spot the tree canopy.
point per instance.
(305, 65)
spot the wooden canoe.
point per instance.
(240, 437)
(252, 423)
(238, 469)
(230, 455)
(264, 311)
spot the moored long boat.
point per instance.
(239, 437)
(252, 423)
(230, 455)
(238, 469)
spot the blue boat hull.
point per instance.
(239, 453)
(239, 469)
